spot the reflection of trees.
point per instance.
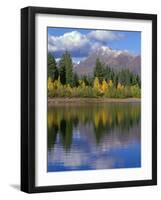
(52, 134)
(66, 129)
(104, 118)
(118, 116)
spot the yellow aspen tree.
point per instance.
(59, 85)
(83, 85)
(50, 84)
(120, 87)
(104, 87)
(96, 84)
(110, 83)
(55, 84)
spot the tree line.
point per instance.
(62, 76)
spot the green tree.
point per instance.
(52, 68)
(66, 69)
(69, 68)
(99, 70)
(86, 79)
(124, 77)
(115, 80)
(134, 80)
(62, 70)
(108, 73)
(75, 80)
(138, 80)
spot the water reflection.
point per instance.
(93, 137)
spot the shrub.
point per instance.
(135, 91)
(104, 89)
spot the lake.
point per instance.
(94, 136)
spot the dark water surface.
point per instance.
(94, 136)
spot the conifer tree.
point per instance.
(62, 70)
(99, 70)
(66, 69)
(52, 68)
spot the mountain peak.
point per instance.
(102, 49)
(116, 59)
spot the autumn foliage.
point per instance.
(104, 89)
(62, 82)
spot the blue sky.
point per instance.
(80, 42)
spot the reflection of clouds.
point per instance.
(104, 163)
(85, 152)
(96, 158)
(73, 158)
(76, 134)
(114, 139)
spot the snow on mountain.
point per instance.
(116, 59)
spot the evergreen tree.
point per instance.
(66, 69)
(75, 80)
(99, 70)
(108, 74)
(128, 77)
(115, 80)
(52, 68)
(134, 80)
(121, 77)
(138, 80)
(90, 80)
(86, 79)
(62, 70)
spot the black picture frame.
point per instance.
(28, 98)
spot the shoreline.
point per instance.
(81, 101)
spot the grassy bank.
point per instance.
(80, 101)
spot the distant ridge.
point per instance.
(115, 59)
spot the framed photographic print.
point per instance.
(88, 99)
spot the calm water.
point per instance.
(87, 137)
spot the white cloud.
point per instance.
(103, 36)
(79, 44)
(71, 41)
